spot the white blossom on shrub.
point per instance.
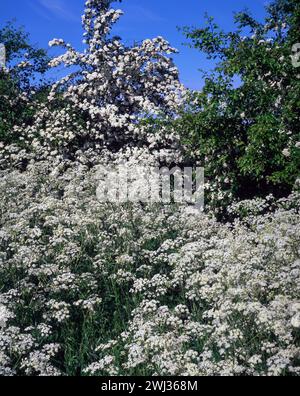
(110, 89)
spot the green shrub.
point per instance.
(244, 126)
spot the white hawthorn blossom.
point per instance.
(110, 89)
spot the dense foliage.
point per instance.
(244, 126)
(22, 81)
(94, 288)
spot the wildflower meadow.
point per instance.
(192, 270)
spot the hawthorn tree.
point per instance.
(110, 89)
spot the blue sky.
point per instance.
(48, 19)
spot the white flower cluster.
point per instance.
(4, 316)
(240, 291)
(96, 288)
(111, 88)
(196, 297)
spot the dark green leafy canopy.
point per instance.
(244, 126)
(20, 86)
